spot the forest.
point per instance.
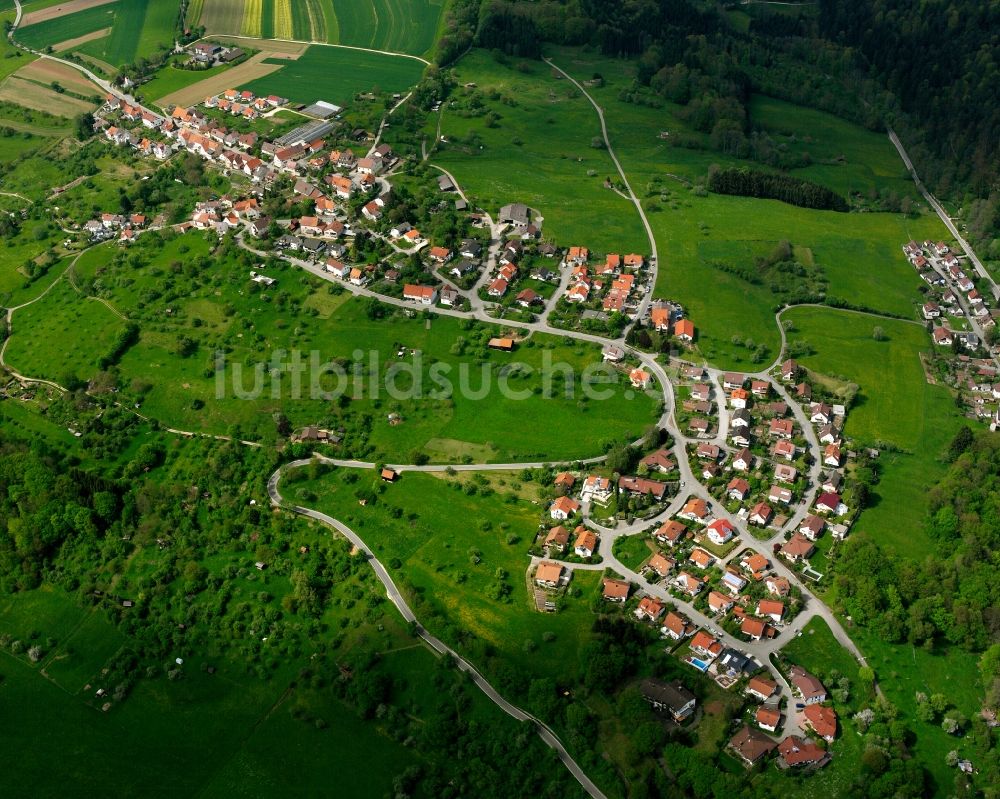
(745, 182)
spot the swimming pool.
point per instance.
(701, 665)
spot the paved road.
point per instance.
(544, 731)
(933, 203)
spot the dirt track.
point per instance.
(69, 44)
(60, 10)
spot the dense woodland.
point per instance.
(929, 70)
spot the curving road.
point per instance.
(544, 731)
(653, 260)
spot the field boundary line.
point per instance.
(423, 61)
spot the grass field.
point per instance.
(222, 313)
(398, 26)
(336, 75)
(69, 26)
(859, 253)
(904, 411)
(434, 550)
(539, 153)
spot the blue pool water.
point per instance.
(701, 665)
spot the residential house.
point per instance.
(640, 378)
(768, 718)
(684, 330)
(831, 455)
(822, 720)
(563, 508)
(670, 696)
(752, 628)
(751, 746)
(701, 558)
(424, 295)
(643, 487)
(689, 584)
(615, 590)
(771, 608)
(794, 751)
(671, 532)
(785, 473)
(709, 452)
(720, 532)
(777, 586)
(761, 688)
(705, 645)
(761, 514)
(829, 503)
(719, 603)
(550, 574)
(781, 428)
(676, 626)
(596, 489)
(565, 480)
(695, 510)
(738, 488)
(812, 691)
(784, 449)
(812, 526)
(779, 494)
(650, 609)
(556, 540)
(797, 548)
(586, 544)
(660, 460)
(743, 461)
(660, 565)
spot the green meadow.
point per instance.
(336, 74)
(446, 549)
(859, 253)
(213, 305)
(538, 152)
(894, 405)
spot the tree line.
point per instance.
(746, 182)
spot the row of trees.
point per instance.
(746, 182)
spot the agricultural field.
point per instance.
(534, 145)
(140, 28)
(336, 75)
(180, 387)
(184, 87)
(52, 31)
(396, 26)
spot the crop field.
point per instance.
(42, 98)
(336, 75)
(184, 87)
(402, 26)
(538, 151)
(184, 393)
(397, 26)
(69, 26)
(140, 28)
